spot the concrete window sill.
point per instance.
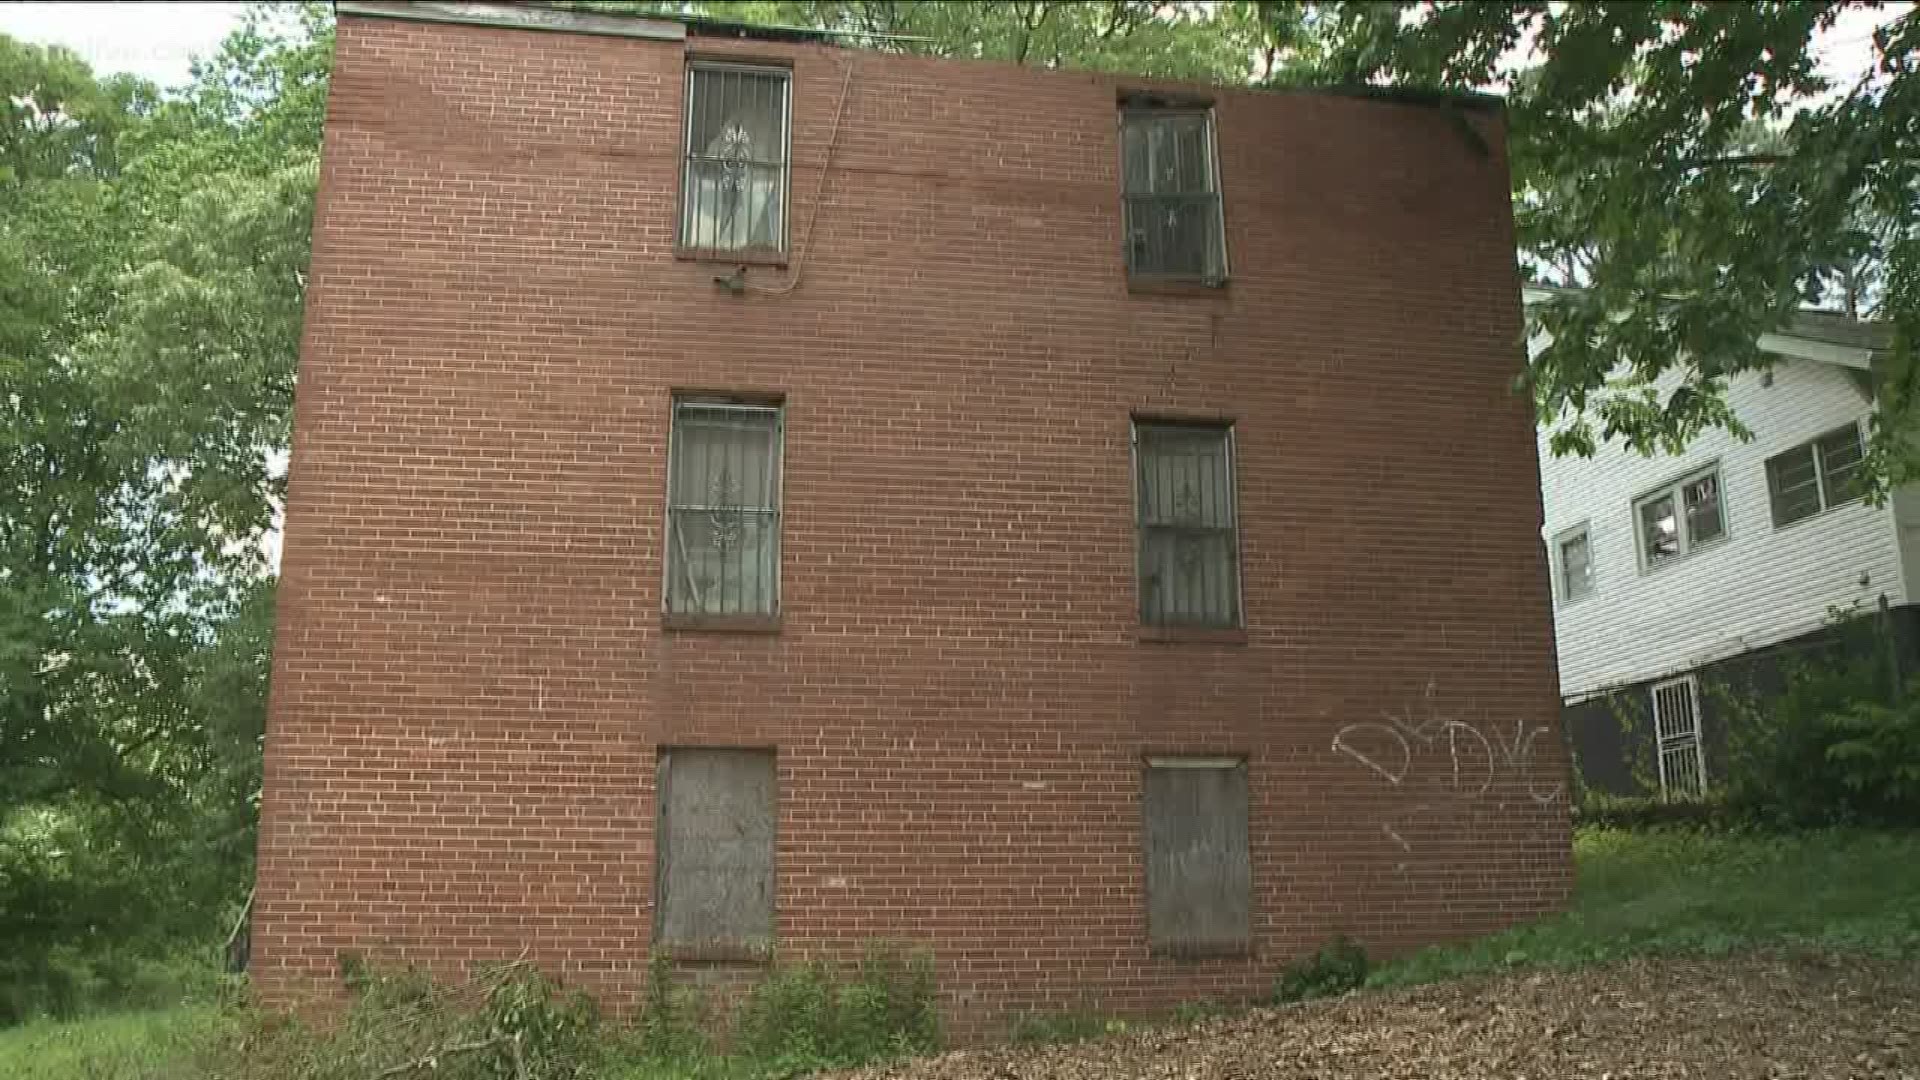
(1205, 635)
(726, 624)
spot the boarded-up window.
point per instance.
(1199, 882)
(715, 850)
(1189, 543)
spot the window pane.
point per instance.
(1659, 530)
(1167, 154)
(1189, 572)
(1841, 453)
(1576, 567)
(1791, 487)
(1174, 236)
(735, 185)
(1704, 519)
(1199, 875)
(1172, 204)
(715, 848)
(723, 528)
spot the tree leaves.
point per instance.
(1690, 167)
(153, 252)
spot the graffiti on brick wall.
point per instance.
(1439, 759)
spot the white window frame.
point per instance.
(684, 205)
(1812, 447)
(1682, 740)
(1676, 488)
(1560, 541)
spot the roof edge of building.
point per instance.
(559, 16)
(518, 17)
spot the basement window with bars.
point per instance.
(1189, 527)
(1816, 476)
(1676, 726)
(723, 509)
(733, 191)
(1199, 874)
(1171, 195)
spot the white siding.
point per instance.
(1760, 586)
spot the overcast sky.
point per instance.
(157, 40)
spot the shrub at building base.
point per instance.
(1840, 745)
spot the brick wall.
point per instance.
(471, 677)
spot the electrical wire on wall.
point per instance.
(738, 281)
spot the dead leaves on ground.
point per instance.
(1761, 1016)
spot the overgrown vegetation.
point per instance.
(1839, 745)
(1339, 966)
(1693, 890)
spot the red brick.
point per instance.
(471, 679)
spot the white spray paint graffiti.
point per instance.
(1472, 766)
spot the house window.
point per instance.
(1199, 879)
(1171, 194)
(723, 509)
(1676, 725)
(713, 850)
(1573, 558)
(1189, 541)
(1816, 476)
(733, 193)
(1680, 517)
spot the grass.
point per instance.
(1659, 891)
(112, 1046)
(1689, 891)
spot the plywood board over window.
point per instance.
(715, 850)
(1199, 876)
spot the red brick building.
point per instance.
(751, 492)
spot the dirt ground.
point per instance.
(1751, 1016)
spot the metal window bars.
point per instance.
(1189, 540)
(1676, 726)
(723, 509)
(1171, 200)
(735, 181)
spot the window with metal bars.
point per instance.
(1189, 531)
(1171, 195)
(733, 189)
(723, 509)
(1676, 726)
(1816, 475)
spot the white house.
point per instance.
(1664, 566)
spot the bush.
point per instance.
(505, 1023)
(802, 1018)
(1339, 966)
(1840, 745)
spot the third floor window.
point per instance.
(733, 190)
(1170, 181)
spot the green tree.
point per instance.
(1690, 167)
(153, 253)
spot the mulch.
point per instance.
(1765, 1015)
